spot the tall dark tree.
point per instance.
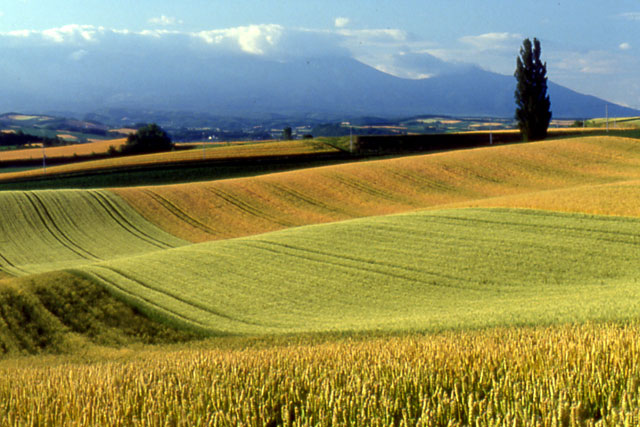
(148, 139)
(533, 111)
(287, 134)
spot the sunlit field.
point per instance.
(496, 285)
(89, 148)
(245, 206)
(53, 230)
(266, 149)
(464, 268)
(568, 375)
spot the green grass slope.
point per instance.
(422, 271)
(51, 230)
(61, 312)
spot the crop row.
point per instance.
(568, 375)
(429, 270)
(224, 209)
(50, 230)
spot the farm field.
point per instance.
(89, 148)
(564, 375)
(618, 198)
(512, 298)
(456, 268)
(246, 206)
(53, 230)
(622, 122)
(236, 151)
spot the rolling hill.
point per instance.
(54, 230)
(341, 276)
(245, 206)
(486, 314)
(475, 268)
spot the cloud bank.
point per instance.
(389, 50)
(609, 74)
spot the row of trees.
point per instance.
(20, 139)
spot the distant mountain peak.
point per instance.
(242, 84)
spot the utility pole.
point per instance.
(350, 138)
(44, 160)
(491, 133)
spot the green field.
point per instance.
(52, 230)
(423, 271)
(614, 122)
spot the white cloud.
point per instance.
(20, 33)
(339, 22)
(254, 39)
(592, 62)
(376, 36)
(493, 41)
(631, 16)
(154, 33)
(165, 20)
(377, 47)
(72, 33)
(624, 46)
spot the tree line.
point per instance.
(21, 139)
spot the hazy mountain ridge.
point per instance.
(239, 84)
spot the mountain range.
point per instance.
(236, 84)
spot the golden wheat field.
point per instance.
(245, 206)
(619, 198)
(573, 375)
(282, 148)
(97, 147)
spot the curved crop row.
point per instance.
(50, 230)
(238, 207)
(421, 271)
(61, 312)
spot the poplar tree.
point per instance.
(533, 111)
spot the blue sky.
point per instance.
(590, 46)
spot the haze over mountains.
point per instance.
(79, 72)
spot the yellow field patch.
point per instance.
(125, 131)
(67, 136)
(21, 117)
(245, 206)
(620, 198)
(284, 148)
(98, 147)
